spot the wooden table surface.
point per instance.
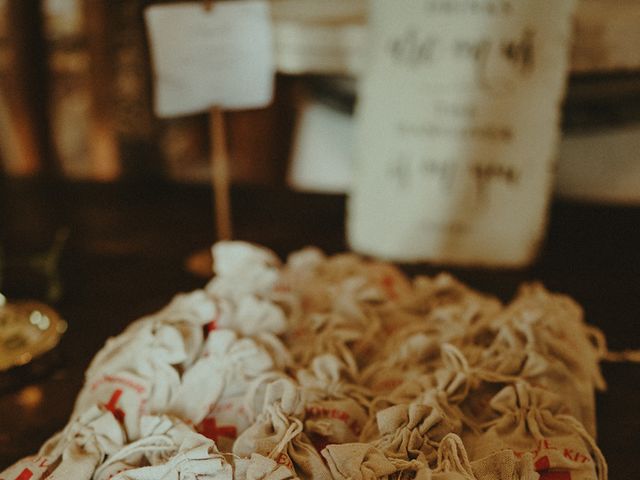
(125, 258)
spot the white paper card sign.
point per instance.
(457, 126)
(222, 56)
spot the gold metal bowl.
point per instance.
(27, 330)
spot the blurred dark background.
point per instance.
(84, 159)
(76, 97)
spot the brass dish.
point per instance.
(28, 330)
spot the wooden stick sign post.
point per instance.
(212, 56)
(220, 178)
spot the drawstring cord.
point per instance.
(600, 342)
(144, 445)
(293, 430)
(251, 395)
(601, 463)
(452, 456)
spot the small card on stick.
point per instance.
(212, 56)
(204, 57)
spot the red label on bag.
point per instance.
(112, 405)
(540, 446)
(542, 467)
(36, 464)
(283, 459)
(140, 389)
(316, 411)
(118, 472)
(118, 394)
(26, 474)
(543, 464)
(575, 456)
(388, 285)
(388, 384)
(555, 475)
(210, 429)
(213, 324)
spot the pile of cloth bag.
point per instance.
(336, 368)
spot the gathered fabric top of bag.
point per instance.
(336, 368)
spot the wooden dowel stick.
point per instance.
(220, 178)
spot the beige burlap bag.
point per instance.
(464, 391)
(280, 354)
(412, 431)
(558, 322)
(250, 315)
(197, 458)
(382, 323)
(517, 351)
(160, 439)
(456, 378)
(259, 319)
(363, 461)
(505, 465)
(258, 467)
(341, 298)
(391, 375)
(328, 377)
(227, 366)
(334, 421)
(453, 464)
(397, 386)
(445, 388)
(336, 409)
(542, 337)
(174, 334)
(76, 452)
(502, 465)
(129, 396)
(232, 415)
(535, 421)
(416, 343)
(414, 330)
(399, 358)
(300, 285)
(137, 373)
(227, 419)
(242, 269)
(321, 278)
(276, 386)
(327, 335)
(347, 291)
(411, 388)
(449, 306)
(246, 288)
(452, 461)
(577, 393)
(441, 309)
(278, 433)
